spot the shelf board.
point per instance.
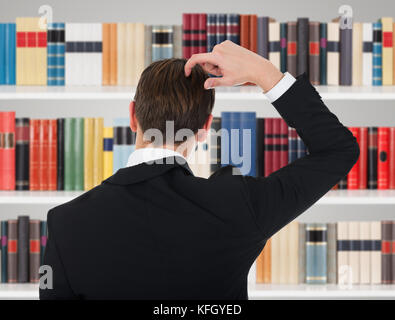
(243, 93)
(19, 291)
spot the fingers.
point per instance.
(216, 82)
(200, 58)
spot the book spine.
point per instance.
(3, 45)
(391, 165)
(268, 146)
(353, 175)
(40, 54)
(162, 42)
(220, 28)
(393, 254)
(343, 249)
(377, 55)
(388, 67)
(195, 34)
(106, 54)
(215, 145)
(177, 41)
(43, 240)
(331, 254)
(233, 28)
(4, 250)
(108, 139)
(292, 145)
(386, 233)
(333, 54)
(367, 55)
(60, 154)
(12, 251)
(23, 249)
(60, 54)
(382, 158)
(316, 253)
(34, 155)
(293, 252)
(245, 31)
(267, 262)
(365, 247)
(43, 157)
(372, 158)
(148, 45)
(284, 256)
(301, 147)
(114, 53)
(302, 46)
(302, 253)
(323, 53)
(52, 155)
(363, 158)
(121, 54)
(346, 56)
(283, 47)
(375, 257)
(276, 143)
(69, 162)
(292, 48)
(22, 154)
(275, 258)
(283, 143)
(259, 268)
(355, 248)
(357, 54)
(70, 53)
(186, 35)
(254, 33)
(7, 168)
(211, 31)
(96, 57)
(263, 37)
(98, 151)
(10, 52)
(20, 51)
(274, 43)
(52, 40)
(34, 251)
(78, 154)
(314, 53)
(202, 33)
(88, 153)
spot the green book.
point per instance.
(69, 165)
(79, 154)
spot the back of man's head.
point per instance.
(164, 93)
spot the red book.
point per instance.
(194, 33)
(7, 154)
(245, 31)
(34, 155)
(253, 33)
(43, 155)
(392, 160)
(363, 158)
(268, 140)
(382, 158)
(283, 143)
(52, 155)
(353, 175)
(276, 143)
(186, 35)
(202, 32)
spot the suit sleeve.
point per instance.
(285, 194)
(61, 288)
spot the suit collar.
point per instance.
(148, 170)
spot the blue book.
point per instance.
(4, 242)
(43, 239)
(60, 52)
(211, 31)
(316, 253)
(52, 62)
(221, 27)
(123, 143)
(225, 138)
(377, 54)
(2, 53)
(10, 54)
(301, 148)
(233, 27)
(162, 42)
(292, 145)
(247, 145)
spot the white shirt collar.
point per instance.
(150, 154)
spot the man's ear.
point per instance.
(202, 133)
(133, 119)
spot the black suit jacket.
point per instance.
(157, 232)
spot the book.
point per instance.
(391, 165)
(367, 54)
(186, 35)
(292, 48)
(52, 155)
(12, 251)
(22, 154)
(215, 144)
(2, 52)
(284, 255)
(138, 53)
(333, 54)
(7, 53)
(4, 251)
(316, 253)
(148, 45)
(177, 41)
(314, 52)
(88, 153)
(55, 54)
(267, 261)
(233, 27)
(365, 247)
(98, 151)
(283, 47)
(372, 158)
(323, 53)
(354, 253)
(211, 31)
(283, 142)
(202, 30)
(268, 125)
(106, 71)
(375, 256)
(382, 157)
(113, 54)
(302, 253)
(292, 252)
(263, 36)
(377, 55)
(108, 140)
(387, 55)
(353, 175)
(123, 143)
(220, 28)
(275, 258)
(78, 154)
(245, 31)
(363, 158)
(343, 248)
(34, 154)
(43, 240)
(60, 53)
(357, 54)
(253, 33)
(7, 150)
(121, 54)
(60, 154)
(386, 246)
(162, 42)
(331, 254)
(302, 46)
(34, 251)
(23, 249)
(43, 155)
(346, 56)
(274, 44)
(69, 157)
(277, 137)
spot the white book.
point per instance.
(293, 250)
(375, 256)
(367, 55)
(343, 276)
(365, 237)
(357, 54)
(139, 52)
(333, 54)
(96, 56)
(274, 36)
(70, 57)
(284, 263)
(354, 255)
(79, 66)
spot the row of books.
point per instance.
(23, 242)
(346, 252)
(360, 54)
(82, 53)
(78, 153)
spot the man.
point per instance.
(153, 230)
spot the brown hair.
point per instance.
(164, 93)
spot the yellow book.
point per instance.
(293, 249)
(393, 61)
(108, 139)
(98, 151)
(21, 50)
(275, 263)
(357, 54)
(88, 153)
(121, 54)
(284, 254)
(139, 52)
(388, 52)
